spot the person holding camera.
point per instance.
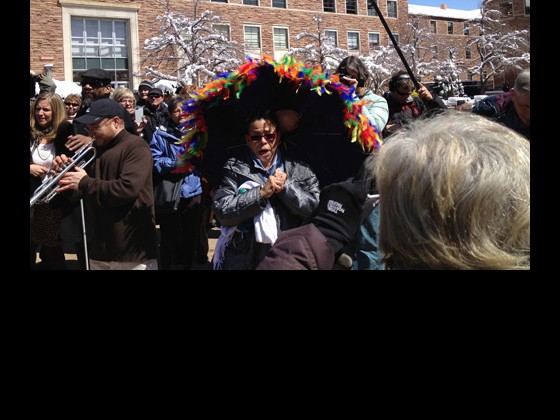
(405, 107)
(353, 72)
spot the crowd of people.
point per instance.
(447, 189)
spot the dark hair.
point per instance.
(174, 101)
(261, 114)
(400, 79)
(357, 66)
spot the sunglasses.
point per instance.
(268, 137)
(154, 96)
(71, 104)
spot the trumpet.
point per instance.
(47, 190)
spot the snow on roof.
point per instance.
(414, 9)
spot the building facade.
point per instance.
(74, 35)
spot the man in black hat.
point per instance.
(96, 84)
(156, 113)
(118, 187)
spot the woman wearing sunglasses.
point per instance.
(262, 192)
(72, 103)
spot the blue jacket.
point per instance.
(161, 144)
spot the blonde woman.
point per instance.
(49, 130)
(455, 194)
(72, 103)
(126, 98)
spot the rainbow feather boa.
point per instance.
(233, 83)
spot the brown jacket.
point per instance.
(120, 194)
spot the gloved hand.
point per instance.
(339, 213)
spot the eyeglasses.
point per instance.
(92, 129)
(154, 95)
(71, 104)
(402, 94)
(127, 101)
(268, 137)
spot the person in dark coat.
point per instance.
(405, 107)
(263, 191)
(118, 186)
(513, 108)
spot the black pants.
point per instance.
(179, 234)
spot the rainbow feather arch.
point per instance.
(231, 84)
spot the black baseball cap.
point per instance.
(155, 91)
(101, 108)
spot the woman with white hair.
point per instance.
(455, 194)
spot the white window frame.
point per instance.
(287, 29)
(111, 11)
(251, 50)
(353, 51)
(225, 25)
(285, 6)
(500, 8)
(356, 4)
(334, 7)
(466, 28)
(433, 26)
(378, 40)
(335, 32)
(435, 51)
(396, 9)
(371, 11)
(450, 27)
(243, 3)
(396, 36)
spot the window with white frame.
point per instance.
(392, 9)
(435, 51)
(433, 26)
(353, 41)
(251, 2)
(450, 28)
(396, 36)
(223, 30)
(329, 6)
(279, 3)
(352, 7)
(103, 44)
(280, 39)
(470, 76)
(331, 38)
(466, 28)
(468, 54)
(370, 9)
(373, 40)
(252, 38)
(506, 7)
(527, 7)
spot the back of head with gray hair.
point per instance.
(455, 193)
(523, 82)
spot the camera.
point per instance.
(343, 72)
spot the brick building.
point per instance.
(451, 29)
(74, 35)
